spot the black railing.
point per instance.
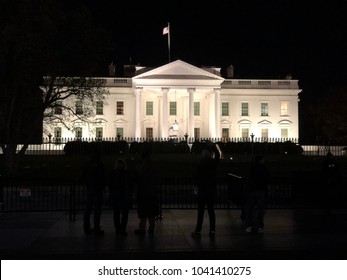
(174, 193)
(247, 145)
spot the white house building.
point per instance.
(180, 99)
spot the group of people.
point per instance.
(205, 179)
(122, 180)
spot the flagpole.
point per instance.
(168, 41)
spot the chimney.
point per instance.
(230, 72)
(129, 70)
(112, 70)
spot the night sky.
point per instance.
(262, 39)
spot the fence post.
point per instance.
(72, 210)
(160, 205)
(1, 195)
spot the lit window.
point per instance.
(78, 132)
(264, 133)
(99, 107)
(284, 108)
(79, 107)
(264, 109)
(149, 132)
(119, 131)
(57, 135)
(225, 109)
(196, 108)
(245, 132)
(225, 133)
(120, 107)
(99, 133)
(196, 132)
(173, 108)
(149, 108)
(244, 109)
(284, 132)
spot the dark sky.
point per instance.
(262, 39)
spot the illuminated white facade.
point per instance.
(198, 100)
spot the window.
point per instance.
(79, 107)
(196, 132)
(264, 109)
(149, 108)
(284, 108)
(196, 108)
(264, 133)
(284, 132)
(173, 108)
(120, 107)
(78, 132)
(245, 132)
(58, 110)
(225, 133)
(149, 132)
(119, 131)
(99, 133)
(57, 135)
(225, 109)
(244, 109)
(99, 107)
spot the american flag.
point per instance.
(166, 30)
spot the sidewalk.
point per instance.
(289, 234)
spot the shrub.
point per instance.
(103, 147)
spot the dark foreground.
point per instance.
(289, 234)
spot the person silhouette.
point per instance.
(256, 194)
(147, 197)
(205, 179)
(93, 175)
(331, 179)
(121, 190)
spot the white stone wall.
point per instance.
(178, 78)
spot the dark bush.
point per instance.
(103, 147)
(255, 148)
(159, 147)
(77, 147)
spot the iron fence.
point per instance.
(173, 193)
(57, 146)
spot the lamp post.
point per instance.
(186, 137)
(252, 139)
(49, 142)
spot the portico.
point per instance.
(182, 91)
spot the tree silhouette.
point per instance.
(43, 42)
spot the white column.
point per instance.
(185, 101)
(164, 119)
(218, 111)
(212, 115)
(138, 112)
(191, 112)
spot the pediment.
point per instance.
(285, 123)
(244, 121)
(177, 73)
(265, 123)
(99, 121)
